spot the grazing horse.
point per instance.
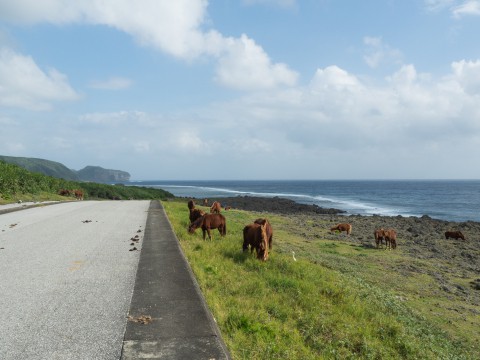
(195, 214)
(454, 235)
(390, 238)
(342, 227)
(215, 208)
(268, 229)
(255, 236)
(191, 204)
(78, 194)
(208, 222)
(64, 192)
(379, 237)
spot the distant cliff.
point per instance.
(99, 174)
(46, 167)
(58, 170)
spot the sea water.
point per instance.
(452, 200)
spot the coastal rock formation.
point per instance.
(99, 174)
(275, 205)
(58, 170)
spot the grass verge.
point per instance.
(324, 305)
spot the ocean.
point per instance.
(451, 200)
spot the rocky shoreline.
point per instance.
(275, 205)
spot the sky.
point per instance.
(245, 89)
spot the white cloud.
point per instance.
(113, 83)
(458, 8)
(189, 141)
(335, 78)
(378, 53)
(175, 27)
(470, 7)
(246, 66)
(435, 5)
(23, 84)
(467, 73)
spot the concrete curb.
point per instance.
(178, 323)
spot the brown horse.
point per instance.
(78, 194)
(268, 229)
(379, 237)
(195, 214)
(191, 204)
(390, 239)
(454, 235)
(342, 227)
(215, 208)
(64, 192)
(255, 236)
(205, 202)
(208, 222)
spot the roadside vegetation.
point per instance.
(17, 184)
(315, 298)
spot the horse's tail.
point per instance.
(224, 228)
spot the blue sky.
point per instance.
(246, 89)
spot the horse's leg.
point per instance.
(245, 245)
(209, 234)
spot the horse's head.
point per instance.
(196, 224)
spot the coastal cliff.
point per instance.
(58, 170)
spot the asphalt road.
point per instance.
(66, 279)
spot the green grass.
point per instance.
(332, 303)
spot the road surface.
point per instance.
(66, 279)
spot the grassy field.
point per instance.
(337, 300)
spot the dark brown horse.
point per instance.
(64, 192)
(191, 205)
(195, 214)
(215, 208)
(454, 235)
(342, 227)
(208, 222)
(268, 229)
(255, 236)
